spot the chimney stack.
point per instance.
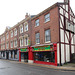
(26, 15)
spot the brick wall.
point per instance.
(53, 25)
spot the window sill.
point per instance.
(48, 42)
(37, 43)
(21, 32)
(26, 30)
(26, 45)
(15, 35)
(47, 21)
(21, 46)
(15, 46)
(36, 26)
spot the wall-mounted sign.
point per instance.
(66, 1)
(69, 26)
(28, 42)
(43, 48)
(24, 50)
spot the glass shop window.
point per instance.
(44, 56)
(15, 54)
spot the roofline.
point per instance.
(16, 25)
(49, 8)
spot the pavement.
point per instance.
(65, 67)
(68, 67)
(8, 67)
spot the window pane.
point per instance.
(37, 38)
(26, 27)
(44, 56)
(47, 35)
(26, 41)
(47, 17)
(37, 22)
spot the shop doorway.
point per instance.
(7, 55)
(24, 56)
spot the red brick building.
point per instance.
(47, 38)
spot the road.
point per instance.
(14, 68)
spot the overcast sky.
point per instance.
(13, 11)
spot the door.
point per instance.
(7, 55)
(24, 57)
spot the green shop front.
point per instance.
(45, 54)
(23, 54)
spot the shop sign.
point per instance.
(28, 42)
(43, 48)
(24, 50)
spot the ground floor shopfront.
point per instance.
(42, 54)
(9, 54)
(23, 54)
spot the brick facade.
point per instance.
(53, 25)
(26, 37)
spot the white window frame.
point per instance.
(47, 36)
(47, 17)
(21, 29)
(4, 38)
(7, 35)
(11, 44)
(21, 42)
(26, 41)
(7, 45)
(37, 23)
(15, 32)
(25, 26)
(15, 43)
(11, 33)
(37, 38)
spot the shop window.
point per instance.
(37, 22)
(15, 54)
(47, 17)
(37, 38)
(11, 54)
(24, 57)
(44, 56)
(47, 35)
(3, 54)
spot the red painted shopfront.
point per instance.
(23, 54)
(42, 54)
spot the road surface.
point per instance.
(14, 68)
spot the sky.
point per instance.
(13, 11)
